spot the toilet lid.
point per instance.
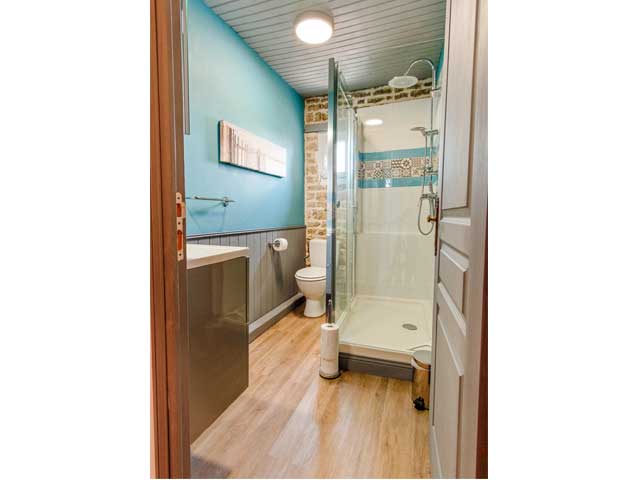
(311, 273)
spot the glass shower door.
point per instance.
(341, 198)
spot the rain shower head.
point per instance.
(406, 80)
(403, 81)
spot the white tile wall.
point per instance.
(388, 210)
(393, 259)
(398, 265)
(394, 133)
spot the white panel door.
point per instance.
(458, 393)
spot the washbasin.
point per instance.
(200, 255)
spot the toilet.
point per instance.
(312, 281)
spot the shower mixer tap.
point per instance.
(431, 197)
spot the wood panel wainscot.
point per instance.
(273, 291)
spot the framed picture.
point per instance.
(244, 149)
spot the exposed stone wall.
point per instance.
(315, 108)
(315, 191)
(315, 111)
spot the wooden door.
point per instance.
(458, 390)
(169, 329)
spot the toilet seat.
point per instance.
(311, 274)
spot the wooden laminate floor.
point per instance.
(290, 422)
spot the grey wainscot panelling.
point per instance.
(272, 285)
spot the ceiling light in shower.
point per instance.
(372, 122)
(314, 27)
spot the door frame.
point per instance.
(474, 402)
(472, 440)
(170, 456)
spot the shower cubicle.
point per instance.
(379, 262)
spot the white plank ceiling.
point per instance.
(373, 40)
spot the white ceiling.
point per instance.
(373, 40)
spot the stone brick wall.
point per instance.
(315, 191)
(315, 111)
(315, 108)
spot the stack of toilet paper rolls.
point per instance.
(329, 351)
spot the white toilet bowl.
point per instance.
(312, 282)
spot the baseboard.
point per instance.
(375, 366)
(269, 319)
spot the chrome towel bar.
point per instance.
(224, 200)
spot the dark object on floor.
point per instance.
(419, 404)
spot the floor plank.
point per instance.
(292, 423)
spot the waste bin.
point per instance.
(421, 363)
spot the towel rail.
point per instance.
(224, 200)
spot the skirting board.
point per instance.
(374, 366)
(269, 319)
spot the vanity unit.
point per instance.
(218, 330)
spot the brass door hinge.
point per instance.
(180, 216)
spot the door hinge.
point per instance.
(180, 216)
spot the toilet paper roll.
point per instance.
(329, 342)
(280, 244)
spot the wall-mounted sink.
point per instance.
(200, 255)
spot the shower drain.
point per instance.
(409, 326)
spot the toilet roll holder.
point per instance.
(275, 243)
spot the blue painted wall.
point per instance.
(229, 81)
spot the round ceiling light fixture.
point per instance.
(314, 27)
(372, 122)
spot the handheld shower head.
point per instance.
(422, 130)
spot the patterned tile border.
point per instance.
(393, 168)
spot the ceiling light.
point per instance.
(314, 27)
(372, 122)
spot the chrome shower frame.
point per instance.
(337, 92)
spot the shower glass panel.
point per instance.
(341, 221)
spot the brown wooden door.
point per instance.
(169, 340)
(458, 390)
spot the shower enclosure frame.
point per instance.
(336, 88)
(332, 126)
(346, 304)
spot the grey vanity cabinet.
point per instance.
(218, 339)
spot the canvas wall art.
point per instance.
(242, 148)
